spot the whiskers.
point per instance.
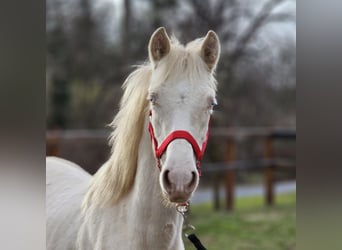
(166, 201)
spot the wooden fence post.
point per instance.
(268, 172)
(230, 175)
(216, 191)
(52, 145)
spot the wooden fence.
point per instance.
(269, 163)
(57, 144)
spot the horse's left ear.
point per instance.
(210, 50)
(159, 45)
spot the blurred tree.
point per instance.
(159, 7)
(126, 28)
(78, 55)
(58, 66)
(85, 43)
(87, 59)
(246, 93)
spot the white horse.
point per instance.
(130, 203)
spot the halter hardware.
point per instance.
(177, 134)
(188, 229)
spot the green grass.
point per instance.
(252, 226)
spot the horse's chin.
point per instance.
(176, 197)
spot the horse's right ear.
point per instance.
(159, 45)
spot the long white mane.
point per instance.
(116, 177)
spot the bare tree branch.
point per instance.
(126, 27)
(200, 9)
(260, 19)
(282, 17)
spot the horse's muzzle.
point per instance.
(179, 185)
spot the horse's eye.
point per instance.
(213, 103)
(152, 98)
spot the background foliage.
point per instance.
(92, 45)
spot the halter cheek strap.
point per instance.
(177, 134)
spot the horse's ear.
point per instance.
(210, 50)
(159, 45)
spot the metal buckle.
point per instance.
(182, 207)
(188, 229)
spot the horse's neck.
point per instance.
(157, 221)
(140, 220)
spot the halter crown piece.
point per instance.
(177, 134)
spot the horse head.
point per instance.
(181, 95)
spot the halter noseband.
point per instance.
(177, 134)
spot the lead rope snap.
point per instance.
(182, 208)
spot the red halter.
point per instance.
(177, 134)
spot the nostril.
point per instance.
(166, 179)
(192, 183)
